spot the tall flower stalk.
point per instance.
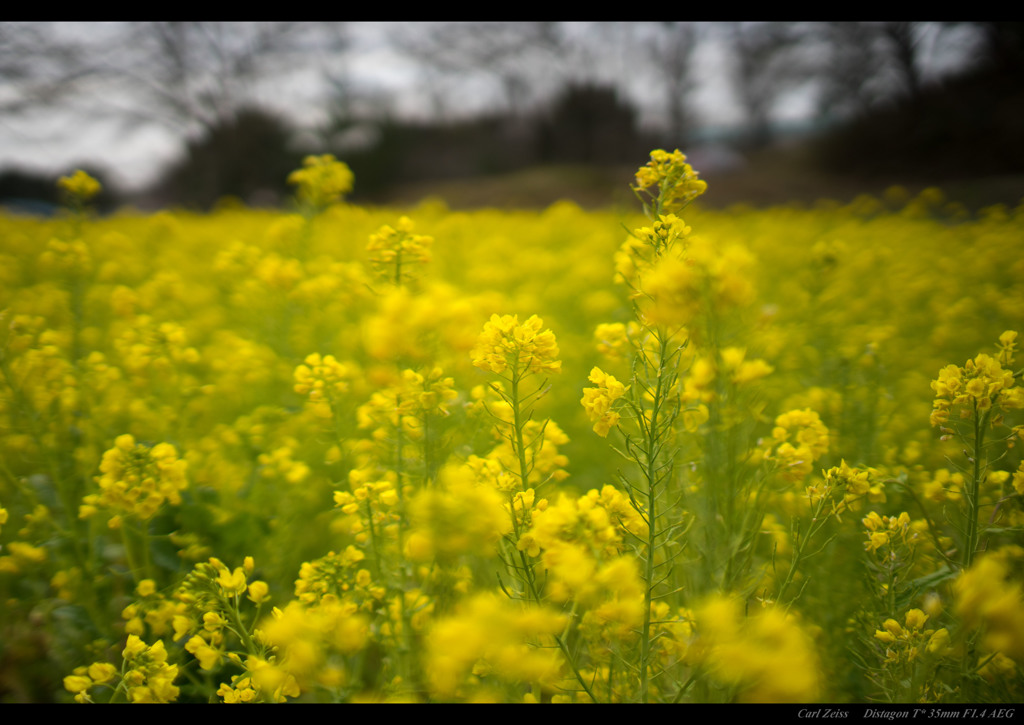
(651, 264)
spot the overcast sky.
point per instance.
(52, 140)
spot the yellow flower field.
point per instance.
(347, 454)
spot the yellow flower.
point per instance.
(597, 402)
(133, 647)
(988, 598)
(801, 438)
(101, 672)
(612, 340)
(392, 249)
(136, 480)
(490, 634)
(916, 618)
(322, 180)
(768, 655)
(77, 683)
(258, 592)
(524, 348)
(208, 656)
(232, 582)
(80, 185)
(676, 181)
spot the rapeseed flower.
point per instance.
(136, 480)
(524, 348)
(79, 186)
(669, 180)
(989, 599)
(321, 181)
(492, 637)
(768, 656)
(597, 402)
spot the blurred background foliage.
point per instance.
(525, 113)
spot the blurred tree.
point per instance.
(904, 38)
(187, 76)
(851, 74)
(1002, 45)
(764, 65)
(197, 75)
(671, 53)
(246, 156)
(953, 97)
(39, 66)
(865, 65)
(519, 56)
(589, 124)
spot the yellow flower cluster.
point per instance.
(80, 185)
(147, 677)
(322, 180)
(580, 541)
(262, 681)
(673, 180)
(392, 248)
(416, 328)
(490, 471)
(798, 440)
(23, 556)
(906, 642)
(887, 531)
(740, 370)
(280, 464)
(767, 655)
(490, 638)
(544, 460)
(677, 290)
(136, 480)
(525, 348)
(408, 404)
(324, 380)
(369, 506)
(843, 484)
(455, 518)
(85, 678)
(208, 591)
(329, 574)
(152, 609)
(1018, 480)
(597, 402)
(646, 246)
(70, 258)
(611, 340)
(945, 485)
(988, 598)
(312, 644)
(978, 386)
(150, 349)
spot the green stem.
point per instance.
(651, 456)
(239, 627)
(967, 664)
(973, 494)
(517, 424)
(798, 556)
(133, 566)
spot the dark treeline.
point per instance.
(251, 157)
